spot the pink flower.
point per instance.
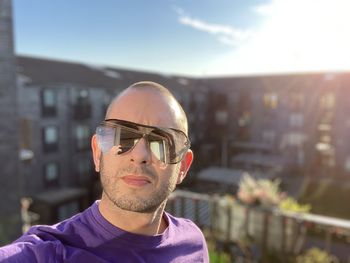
(245, 197)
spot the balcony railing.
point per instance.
(254, 233)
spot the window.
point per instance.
(67, 210)
(268, 136)
(82, 137)
(244, 119)
(347, 164)
(84, 170)
(48, 103)
(82, 106)
(51, 174)
(327, 101)
(50, 139)
(294, 139)
(296, 120)
(221, 117)
(270, 100)
(347, 123)
(296, 100)
(83, 95)
(26, 150)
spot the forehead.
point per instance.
(148, 107)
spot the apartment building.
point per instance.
(298, 122)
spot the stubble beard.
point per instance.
(131, 201)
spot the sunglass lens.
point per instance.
(157, 147)
(166, 146)
(128, 140)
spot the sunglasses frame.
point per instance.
(128, 125)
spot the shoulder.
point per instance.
(180, 222)
(184, 225)
(57, 231)
(43, 243)
(30, 248)
(190, 238)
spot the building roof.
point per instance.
(39, 71)
(278, 82)
(43, 71)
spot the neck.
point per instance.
(149, 224)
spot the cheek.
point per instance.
(108, 165)
(177, 174)
(170, 174)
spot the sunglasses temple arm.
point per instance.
(182, 151)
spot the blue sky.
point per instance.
(194, 38)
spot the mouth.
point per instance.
(134, 180)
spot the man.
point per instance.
(142, 152)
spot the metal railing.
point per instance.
(253, 233)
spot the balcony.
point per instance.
(252, 234)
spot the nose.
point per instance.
(141, 154)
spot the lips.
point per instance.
(134, 180)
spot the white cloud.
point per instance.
(225, 34)
(296, 35)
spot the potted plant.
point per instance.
(258, 205)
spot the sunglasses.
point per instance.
(166, 144)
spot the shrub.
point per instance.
(290, 204)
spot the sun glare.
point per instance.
(297, 36)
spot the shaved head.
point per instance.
(160, 94)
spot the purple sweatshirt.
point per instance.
(89, 237)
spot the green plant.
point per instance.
(290, 204)
(316, 255)
(216, 257)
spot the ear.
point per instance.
(96, 152)
(185, 166)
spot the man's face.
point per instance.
(136, 180)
